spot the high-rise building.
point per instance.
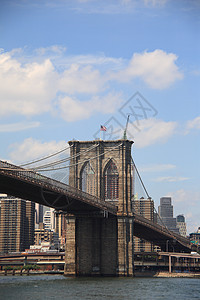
(165, 212)
(16, 224)
(60, 228)
(12, 224)
(49, 219)
(29, 224)
(180, 221)
(145, 208)
(38, 214)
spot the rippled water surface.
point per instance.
(59, 287)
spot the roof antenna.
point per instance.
(125, 130)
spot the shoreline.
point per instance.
(162, 274)
(177, 275)
(137, 274)
(30, 273)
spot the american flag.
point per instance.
(103, 128)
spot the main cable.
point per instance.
(64, 159)
(45, 157)
(87, 160)
(54, 169)
(134, 165)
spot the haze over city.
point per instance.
(67, 67)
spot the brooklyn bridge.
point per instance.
(98, 202)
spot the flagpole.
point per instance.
(100, 133)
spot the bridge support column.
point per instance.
(125, 246)
(70, 253)
(91, 247)
(99, 246)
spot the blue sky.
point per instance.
(66, 67)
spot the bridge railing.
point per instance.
(43, 181)
(161, 228)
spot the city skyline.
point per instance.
(67, 67)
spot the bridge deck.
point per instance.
(32, 186)
(160, 235)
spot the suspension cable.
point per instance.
(54, 169)
(170, 232)
(65, 167)
(45, 157)
(140, 178)
(64, 159)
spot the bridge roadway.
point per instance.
(29, 185)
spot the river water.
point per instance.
(58, 287)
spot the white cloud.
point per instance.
(34, 85)
(115, 7)
(157, 69)
(153, 131)
(99, 60)
(73, 109)
(81, 80)
(31, 149)
(192, 124)
(28, 89)
(55, 49)
(14, 127)
(171, 179)
(157, 167)
(155, 2)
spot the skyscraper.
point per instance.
(180, 221)
(16, 224)
(38, 213)
(49, 219)
(145, 208)
(165, 212)
(12, 224)
(29, 224)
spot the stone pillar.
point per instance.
(91, 247)
(125, 247)
(70, 247)
(97, 245)
(109, 247)
(87, 246)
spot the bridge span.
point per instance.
(100, 232)
(29, 185)
(32, 186)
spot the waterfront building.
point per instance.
(165, 212)
(16, 224)
(195, 237)
(180, 223)
(145, 208)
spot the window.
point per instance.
(88, 179)
(111, 179)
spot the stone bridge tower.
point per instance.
(101, 244)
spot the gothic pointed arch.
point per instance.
(111, 182)
(87, 178)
